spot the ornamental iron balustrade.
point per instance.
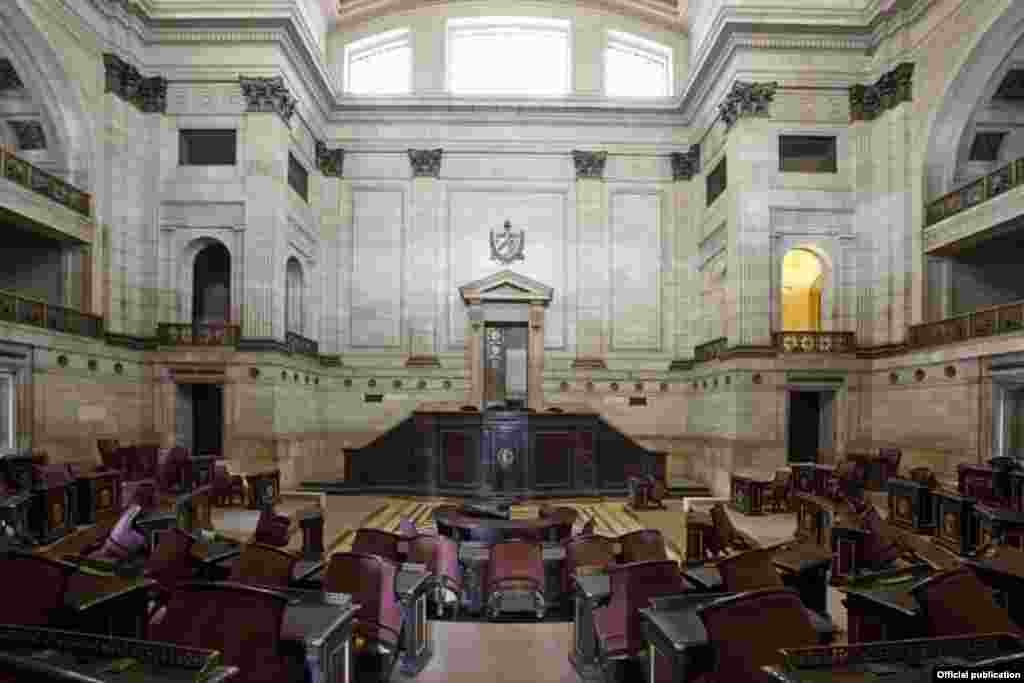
(296, 343)
(23, 173)
(18, 309)
(807, 341)
(197, 334)
(976, 192)
(710, 350)
(982, 323)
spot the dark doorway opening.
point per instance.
(200, 419)
(804, 426)
(211, 285)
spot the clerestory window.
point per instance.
(635, 67)
(380, 64)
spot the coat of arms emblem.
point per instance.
(507, 246)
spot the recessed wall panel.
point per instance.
(378, 225)
(636, 267)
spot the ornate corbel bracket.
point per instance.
(149, 94)
(893, 88)
(746, 99)
(686, 164)
(267, 95)
(331, 162)
(589, 164)
(426, 163)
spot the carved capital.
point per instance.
(746, 99)
(29, 134)
(426, 163)
(267, 95)
(149, 94)
(9, 79)
(589, 164)
(893, 88)
(686, 164)
(331, 162)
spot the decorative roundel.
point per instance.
(590, 386)
(372, 383)
(93, 364)
(422, 384)
(614, 386)
(639, 386)
(118, 368)
(253, 372)
(62, 361)
(664, 386)
(506, 457)
(347, 382)
(284, 375)
(397, 384)
(447, 384)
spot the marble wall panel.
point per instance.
(378, 238)
(636, 255)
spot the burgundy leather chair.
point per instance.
(242, 622)
(878, 549)
(747, 631)
(32, 589)
(586, 551)
(272, 529)
(750, 570)
(378, 542)
(644, 545)
(263, 565)
(227, 487)
(516, 566)
(169, 564)
(617, 625)
(370, 580)
(123, 542)
(956, 602)
(441, 556)
(890, 463)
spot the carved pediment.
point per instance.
(507, 286)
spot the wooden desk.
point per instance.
(262, 487)
(910, 505)
(98, 496)
(748, 492)
(210, 557)
(847, 544)
(411, 584)
(953, 521)
(1005, 574)
(814, 518)
(882, 608)
(42, 654)
(804, 568)
(698, 533)
(108, 604)
(14, 515)
(906, 660)
(998, 525)
(678, 641)
(592, 591)
(322, 626)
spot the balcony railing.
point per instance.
(296, 343)
(18, 309)
(807, 341)
(28, 176)
(197, 334)
(710, 350)
(981, 323)
(977, 192)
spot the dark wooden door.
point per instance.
(804, 425)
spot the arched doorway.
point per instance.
(803, 278)
(294, 301)
(211, 285)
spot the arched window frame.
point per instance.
(619, 41)
(299, 297)
(560, 29)
(378, 46)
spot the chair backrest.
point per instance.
(377, 542)
(242, 622)
(123, 541)
(956, 602)
(633, 585)
(34, 588)
(263, 565)
(878, 549)
(170, 562)
(108, 452)
(643, 546)
(747, 631)
(370, 580)
(750, 570)
(272, 529)
(517, 560)
(722, 528)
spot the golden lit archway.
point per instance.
(802, 280)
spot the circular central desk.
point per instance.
(477, 533)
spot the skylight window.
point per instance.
(635, 67)
(380, 64)
(509, 56)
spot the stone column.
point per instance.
(334, 204)
(592, 257)
(269, 107)
(685, 165)
(421, 258)
(535, 354)
(475, 353)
